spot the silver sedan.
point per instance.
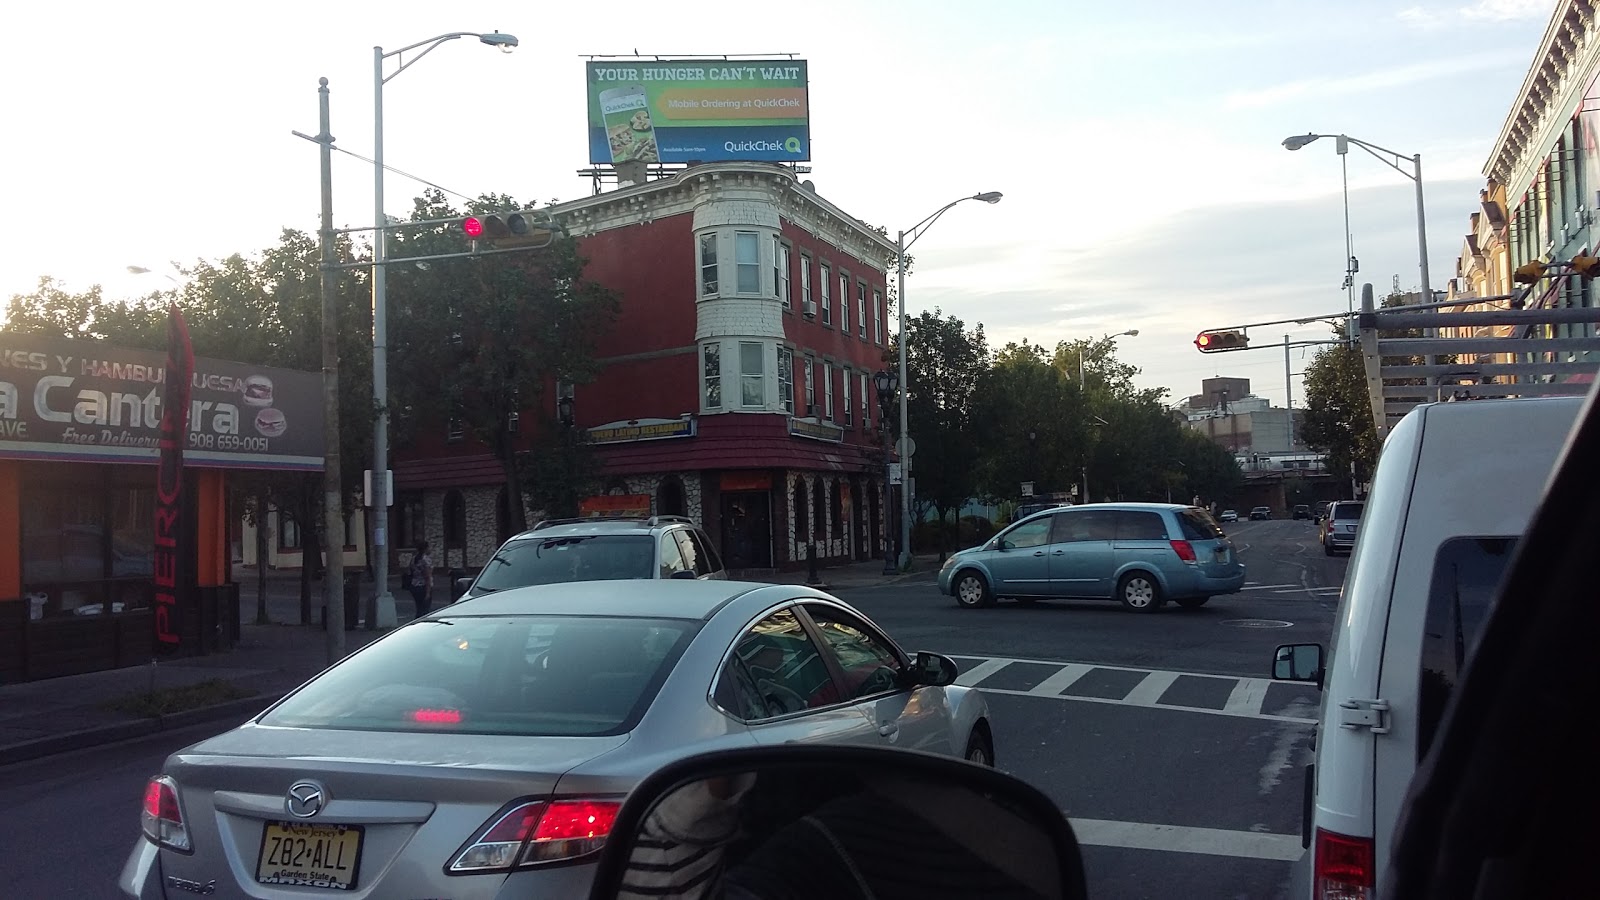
(482, 751)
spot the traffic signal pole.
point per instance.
(332, 477)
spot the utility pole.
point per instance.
(332, 478)
(1288, 384)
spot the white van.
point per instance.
(1455, 488)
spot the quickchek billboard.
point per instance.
(673, 111)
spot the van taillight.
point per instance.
(1184, 549)
(1343, 867)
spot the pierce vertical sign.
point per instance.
(169, 484)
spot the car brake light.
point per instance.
(162, 818)
(537, 832)
(1184, 549)
(1343, 867)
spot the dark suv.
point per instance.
(562, 550)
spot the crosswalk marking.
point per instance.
(1246, 699)
(981, 671)
(1060, 680)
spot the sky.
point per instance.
(1137, 144)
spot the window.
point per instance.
(1032, 533)
(737, 693)
(693, 559)
(877, 318)
(861, 308)
(491, 688)
(1139, 526)
(1198, 525)
(591, 557)
(827, 391)
(455, 520)
(88, 537)
(787, 670)
(780, 271)
(849, 417)
(805, 281)
(811, 387)
(712, 368)
(786, 378)
(747, 261)
(870, 665)
(671, 557)
(454, 430)
(1084, 526)
(827, 296)
(288, 531)
(708, 265)
(352, 531)
(866, 407)
(844, 314)
(844, 288)
(752, 374)
(1466, 573)
(1348, 510)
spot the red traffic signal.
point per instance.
(473, 226)
(1218, 341)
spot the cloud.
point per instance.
(1383, 79)
(1482, 11)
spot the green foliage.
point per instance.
(945, 362)
(1338, 418)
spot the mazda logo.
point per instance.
(306, 799)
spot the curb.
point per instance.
(22, 751)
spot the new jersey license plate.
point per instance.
(322, 856)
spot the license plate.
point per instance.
(324, 856)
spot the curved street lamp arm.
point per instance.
(428, 46)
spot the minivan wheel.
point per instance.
(1139, 592)
(1191, 602)
(972, 590)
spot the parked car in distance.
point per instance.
(1027, 509)
(1261, 512)
(1320, 511)
(1229, 515)
(483, 751)
(1443, 529)
(1339, 529)
(1302, 511)
(601, 549)
(1139, 554)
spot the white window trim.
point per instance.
(877, 317)
(739, 266)
(861, 313)
(827, 297)
(844, 383)
(785, 356)
(705, 378)
(761, 376)
(827, 390)
(782, 257)
(810, 369)
(805, 279)
(700, 260)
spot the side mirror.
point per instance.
(933, 669)
(1298, 662)
(685, 574)
(461, 586)
(775, 817)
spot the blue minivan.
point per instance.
(1140, 554)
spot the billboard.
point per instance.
(90, 401)
(675, 111)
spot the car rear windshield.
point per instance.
(562, 559)
(1466, 574)
(517, 675)
(1198, 525)
(1348, 510)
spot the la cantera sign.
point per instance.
(90, 401)
(640, 430)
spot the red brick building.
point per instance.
(736, 382)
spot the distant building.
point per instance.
(1254, 430)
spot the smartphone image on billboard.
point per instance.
(625, 111)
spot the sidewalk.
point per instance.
(40, 718)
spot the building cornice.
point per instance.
(683, 192)
(1567, 50)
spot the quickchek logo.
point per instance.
(790, 145)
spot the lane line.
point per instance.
(1265, 587)
(1148, 692)
(1247, 696)
(1187, 839)
(1164, 707)
(1060, 681)
(981, 671)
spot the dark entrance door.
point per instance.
(859, 502)
(874, 504)
(747, 529)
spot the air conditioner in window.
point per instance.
(809, 309)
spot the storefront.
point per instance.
(79, 435)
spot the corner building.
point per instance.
(735, 384)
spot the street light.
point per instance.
(885, 381)
(901, 245)
(382, 615)
(1342, 147)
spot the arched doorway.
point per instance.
(802, 514)
(874, 504)
(455, 529)
(819, 514)
(502, 517)
(670, 499)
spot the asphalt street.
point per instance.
(1178, 762)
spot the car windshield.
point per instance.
(1198, 526)
(561, 559)
(517, 675)
(1348, 511)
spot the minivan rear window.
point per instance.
(1198, 525)
(562, 559)
(1348, 510)
(1466, 574)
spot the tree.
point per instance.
(945, 362)
(1034, 423)
(1338, 417)
(480, 339)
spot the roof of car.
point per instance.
(643, 598)
(608, 525)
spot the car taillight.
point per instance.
(1343, 867)
(537, 832)
(1184, 549)
(162, 818)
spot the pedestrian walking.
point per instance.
(419, 578)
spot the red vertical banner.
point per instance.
(170, 526)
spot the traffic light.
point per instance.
(1586, 266)
(1528, 273)
(1218, 341)
(510, 229)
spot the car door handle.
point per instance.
(889, 730)
(1059, 553)
(1038, 553)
